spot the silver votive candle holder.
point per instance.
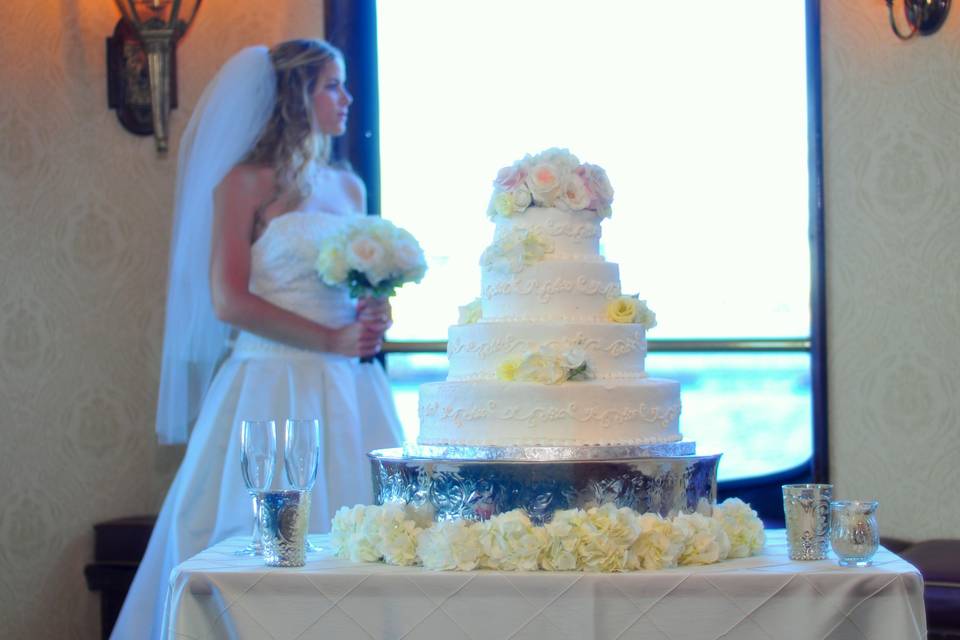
(284, 520)
(806, 509)
(854, 535)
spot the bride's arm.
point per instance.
(235, 202)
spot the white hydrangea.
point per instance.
(742, 526)
(658, 546)
(450, 545)
(607, 534)
(705, 541)
(563, 540)
(510, 542)
(352, 535)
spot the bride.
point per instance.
(256, 193)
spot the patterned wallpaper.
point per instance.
(85, 209)
(892, 180)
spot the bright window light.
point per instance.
(701, 127)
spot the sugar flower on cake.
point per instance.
(548, 365)
(552, 178)
(514, 250)
(705, 541)
(471, 312)
(371, 256)
(510, 542)
(630, 309)
(742, 525)
(450, 545)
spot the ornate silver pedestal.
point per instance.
(478, 482)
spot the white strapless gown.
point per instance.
(261, 379)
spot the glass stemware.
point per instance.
(258, 453)
(301, 456)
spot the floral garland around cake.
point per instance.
(552, 178)
(604, 538)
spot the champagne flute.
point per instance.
(301, 456)
(258, 453)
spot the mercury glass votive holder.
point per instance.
(806, 509)
(854, 535)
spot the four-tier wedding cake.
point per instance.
(552, 353)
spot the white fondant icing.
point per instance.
(515, 413)
(613, 350)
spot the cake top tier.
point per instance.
(553, 178)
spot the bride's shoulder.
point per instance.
(248, 181)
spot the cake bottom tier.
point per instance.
(595, 412)
(478, 489)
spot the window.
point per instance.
(703, 130)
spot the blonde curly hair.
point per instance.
(290, 141)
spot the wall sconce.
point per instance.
(923, 16)
(141, 64)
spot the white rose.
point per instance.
(575, 194)
(471, 312)
(331, 265)
(544, 182)
(560, 158)
(346, 523)
(521, 199)
(645, 316)
(366, 255)
(542, 368)
(409, 258)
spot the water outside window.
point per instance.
(702, 130)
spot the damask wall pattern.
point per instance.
(85, 209)
(892, 201)
(86, 215)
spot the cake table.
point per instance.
(217, 594)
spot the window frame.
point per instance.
(351, 26)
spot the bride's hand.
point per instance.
(356, 340)
(375, 314)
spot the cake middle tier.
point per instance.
(550, 291)
(612, 350)
(483, 413)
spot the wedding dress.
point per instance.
(260, 380)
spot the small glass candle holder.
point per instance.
(854, 535)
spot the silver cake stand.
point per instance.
(478, 482)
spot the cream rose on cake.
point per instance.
(471, 312)
(548, 365)
(514, 250)
(630, 309)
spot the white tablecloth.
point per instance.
(217, 594)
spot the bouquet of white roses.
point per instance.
(371, 256)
